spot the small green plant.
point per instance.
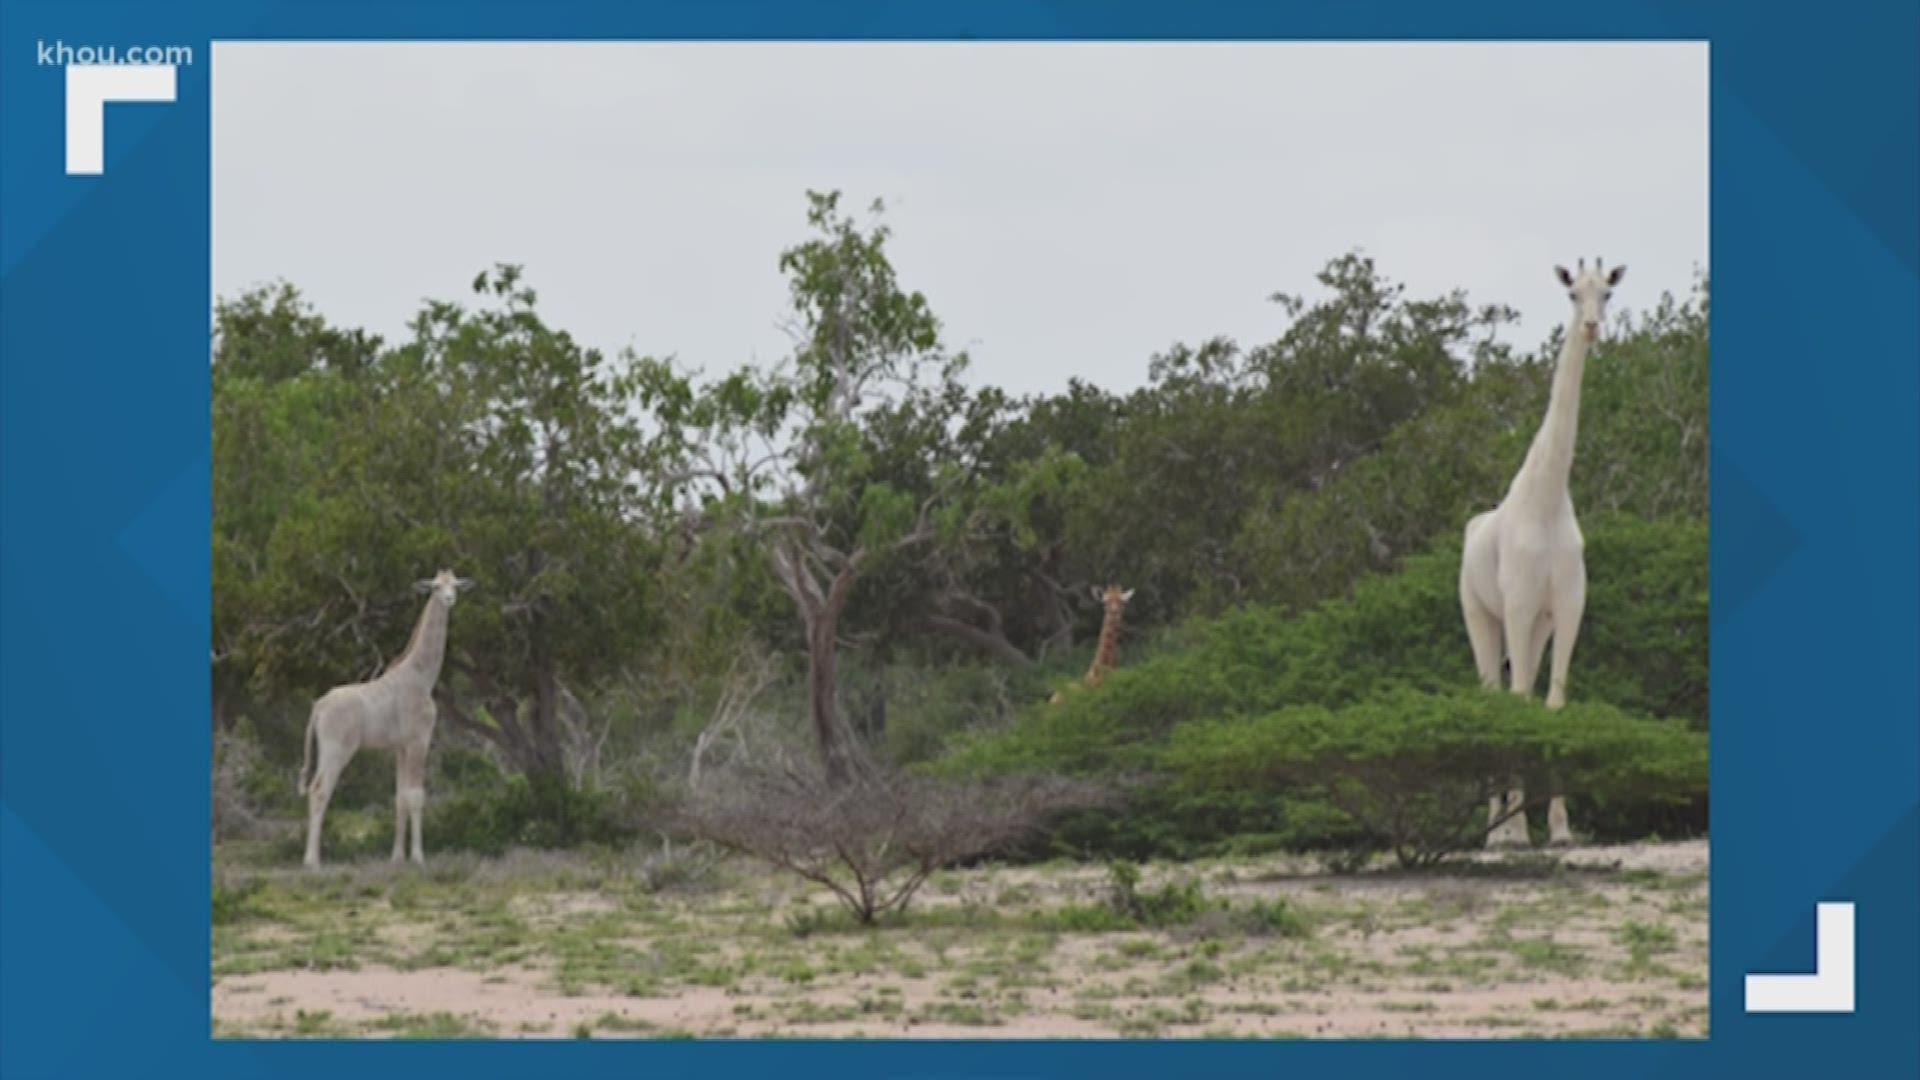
(1646, 939)
(318, 1022)
(440, 1025)
(1275, 917)
(806, 920)
(1174, 904)
(1087, 919)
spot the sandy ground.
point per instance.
(1593, 942)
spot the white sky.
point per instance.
(1068, 209)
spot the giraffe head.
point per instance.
(1589, 289)
(1113, 599)
(445, 587)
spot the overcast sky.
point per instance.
(1068, 209)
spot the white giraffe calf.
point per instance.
(392, 712)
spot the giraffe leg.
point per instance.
(1522, 623)
(1484, 633)
(1521, 620)
(1542, 631)
(1559, 832)
(1569, 605)
(333, 758)
(413, 795)
(399, 804)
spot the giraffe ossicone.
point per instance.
(393, 711)
(1523, 569)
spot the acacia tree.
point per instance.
(833, 463)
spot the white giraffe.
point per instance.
(1523, 573)
(392, 712)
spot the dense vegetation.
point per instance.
(861, 555)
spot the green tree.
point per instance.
(830, 464)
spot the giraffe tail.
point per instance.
(306, 751)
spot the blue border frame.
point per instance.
(1815, 538)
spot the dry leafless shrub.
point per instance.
(235, 817)
(873, 839)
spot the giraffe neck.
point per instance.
(1109, 647)
(1549, 464)
(427, 648)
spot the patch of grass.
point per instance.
(612, 1021)
(809, 1011)
(1541, 953)
(1466, 967)
(1087, 919)
(1094, 1011)
(1646, 939)
(1201, 972)
(235, 903)
(804, 922)
(316, 1023)
(439, 1025)
(969, 1013)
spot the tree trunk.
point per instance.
(822, 654)
(517, 742)
(545, 758)
(874, 727)
(820, 614)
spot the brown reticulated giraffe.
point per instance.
(1114, 600)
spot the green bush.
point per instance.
(516, 811)
(1414, 770)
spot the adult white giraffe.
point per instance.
(1523, 572)
(392, 712)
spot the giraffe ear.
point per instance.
(463, 584)
(1126, 596)
(1565, 278)
(1618, 273)
(423, 586)
(1097, 591)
